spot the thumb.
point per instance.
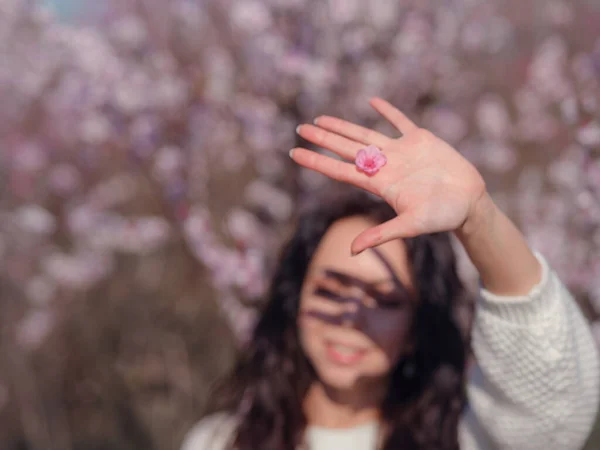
(402, 226)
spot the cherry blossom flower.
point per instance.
(370, 159)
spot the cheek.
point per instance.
(390, 330)
(310, 332)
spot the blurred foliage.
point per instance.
(145, 180)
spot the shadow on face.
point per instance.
(356, 312)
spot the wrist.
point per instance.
(480, 218)
(498, 250)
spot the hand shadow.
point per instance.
(384, 317)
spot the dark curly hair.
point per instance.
(268, 385)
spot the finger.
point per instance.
(352, 131)
(332, 168)
(403, 226)
(393, 115)
(342, 146)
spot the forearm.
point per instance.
(505, 263)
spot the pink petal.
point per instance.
(380, 160)
(361, 158)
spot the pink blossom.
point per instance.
(34, 328)
(132, 142)
(370, 159)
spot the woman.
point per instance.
(357, 348)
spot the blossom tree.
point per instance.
(145, 178)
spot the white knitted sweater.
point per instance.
(535, 384)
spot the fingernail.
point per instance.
(353, 253)
(298, 129)
(316, 121)
(291, 153)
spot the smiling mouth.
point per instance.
(344, 354)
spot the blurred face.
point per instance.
(355, 311)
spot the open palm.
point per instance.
(429, 184)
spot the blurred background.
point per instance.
(145, 185)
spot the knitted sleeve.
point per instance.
(536, 381)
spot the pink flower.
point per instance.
(370, 159)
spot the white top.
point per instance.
(535, 385)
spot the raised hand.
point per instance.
(427, 182)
